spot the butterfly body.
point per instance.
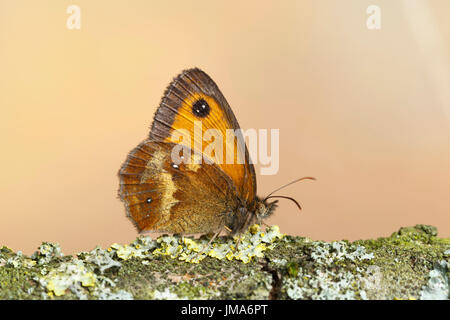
(164, 195)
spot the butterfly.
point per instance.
(190, 197)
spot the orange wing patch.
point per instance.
(193, 105)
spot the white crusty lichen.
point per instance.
(71, 275)
(79, 279)
(323, 285)
(325, 253)
(101, 259)
(326, 283)
(438, 283)
(78, 276)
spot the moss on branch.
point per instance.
(412, 263)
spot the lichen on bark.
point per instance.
(413, 263)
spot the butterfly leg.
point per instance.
(265, 224)
(238, 242)
(246, 224)
(208, 244)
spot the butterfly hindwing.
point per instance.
(192, 97)
(162, 196)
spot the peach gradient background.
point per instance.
(366, 112)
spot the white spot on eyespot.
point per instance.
(175, 166)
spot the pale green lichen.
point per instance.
(266, 265)
(47, 252)
(101, 259)
(71, 276)
(78, 276)
(18, 260)
(251, 244)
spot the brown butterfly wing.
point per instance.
(184, 198)
(176, 112)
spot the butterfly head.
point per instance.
(264, 209)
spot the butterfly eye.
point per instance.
(201, 108)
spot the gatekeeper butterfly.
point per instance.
(191, 197)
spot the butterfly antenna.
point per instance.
(284, 186)
(289, 198)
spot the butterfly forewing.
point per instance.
(193, 97)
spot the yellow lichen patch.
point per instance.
(254, 229)
(252, 244)
(88, 279)
(55, 287)
(191, 244)
(126, 252)
(68, 275)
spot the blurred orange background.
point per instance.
(367, 112)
